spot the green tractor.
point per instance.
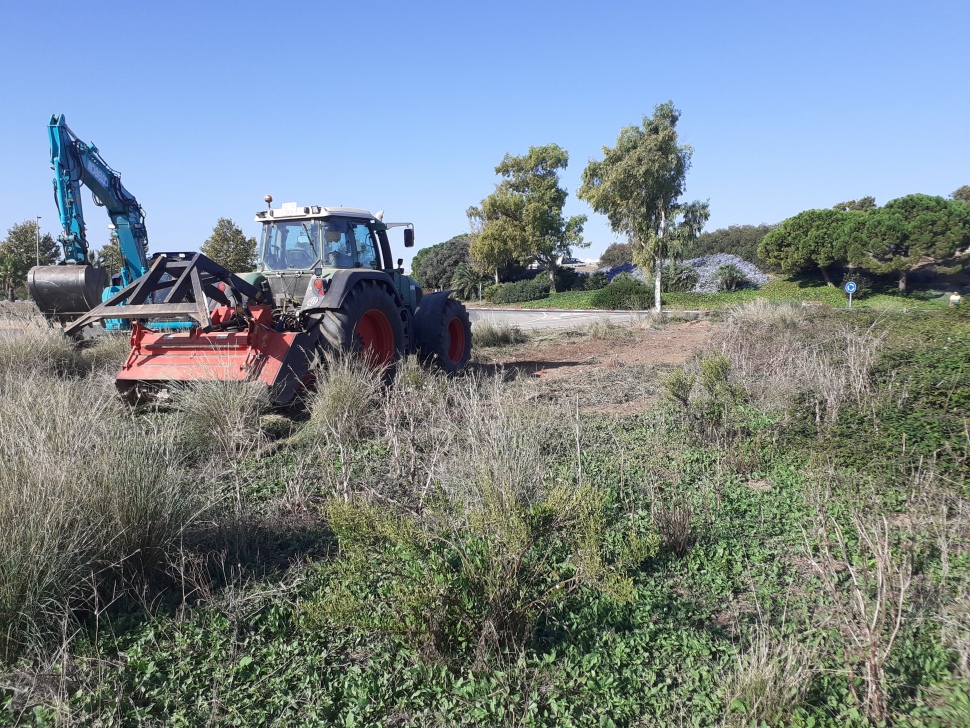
(325, 281)
(333, 266)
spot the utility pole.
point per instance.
(38, 239)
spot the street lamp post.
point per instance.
(38, 239)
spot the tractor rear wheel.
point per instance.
(451, 348)
(369, 323)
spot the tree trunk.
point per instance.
(496, 276)
(658, 259)
(902, 281)
(552, 278)
(826, 276)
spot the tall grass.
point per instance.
(464, 543)
(784, 354)
(88, 494)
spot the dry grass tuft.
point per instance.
(222, 417)
(497, 333)
(771, 679)
(783, 353)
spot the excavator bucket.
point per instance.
(65, 292)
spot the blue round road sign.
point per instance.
(850, 287)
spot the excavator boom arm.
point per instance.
(77, 163)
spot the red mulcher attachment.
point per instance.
(235, 341)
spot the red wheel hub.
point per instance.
(376, 338)
(456, 334)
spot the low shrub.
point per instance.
(596, 281)
(624, 293)
(730, 278)
(678, 278)
(521, 291)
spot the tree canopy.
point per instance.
(616, 254)
(860, 205)
(435, 267)
(19, 250)
(961, 193)
(910, 230)
(109, 257)
(812, 239)
(229, 247)
(638, 185)
(523, 218)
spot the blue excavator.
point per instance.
(65, 291)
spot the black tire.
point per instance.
(450, 347)
(369, 320)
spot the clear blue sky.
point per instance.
(205, 107)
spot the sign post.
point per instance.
(850, 288)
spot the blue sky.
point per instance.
(407, 107)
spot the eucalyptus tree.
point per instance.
(638, 185)
(523, 218)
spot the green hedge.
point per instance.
(624, 292)
(521, 291)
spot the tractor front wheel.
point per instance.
(451, 348)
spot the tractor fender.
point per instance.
(427, 319)
(342, 283)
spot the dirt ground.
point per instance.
(616, 369)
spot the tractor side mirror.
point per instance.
(408, 237)
(400, 264)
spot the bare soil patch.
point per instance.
(613, 373)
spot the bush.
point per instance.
(435, 267)
(678, 278)
(730, 278)
(521, 291)
(596, 281)
(624, 293)
(863, 284)
(568, 279)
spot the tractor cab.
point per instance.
(302, 243)
(306, 243)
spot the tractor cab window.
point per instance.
(366, 249)
(338, 244)
(290, 245)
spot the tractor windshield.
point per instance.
(305, 244)
(291, 244)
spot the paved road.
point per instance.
(539, 319)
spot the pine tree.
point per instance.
(229, 247)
